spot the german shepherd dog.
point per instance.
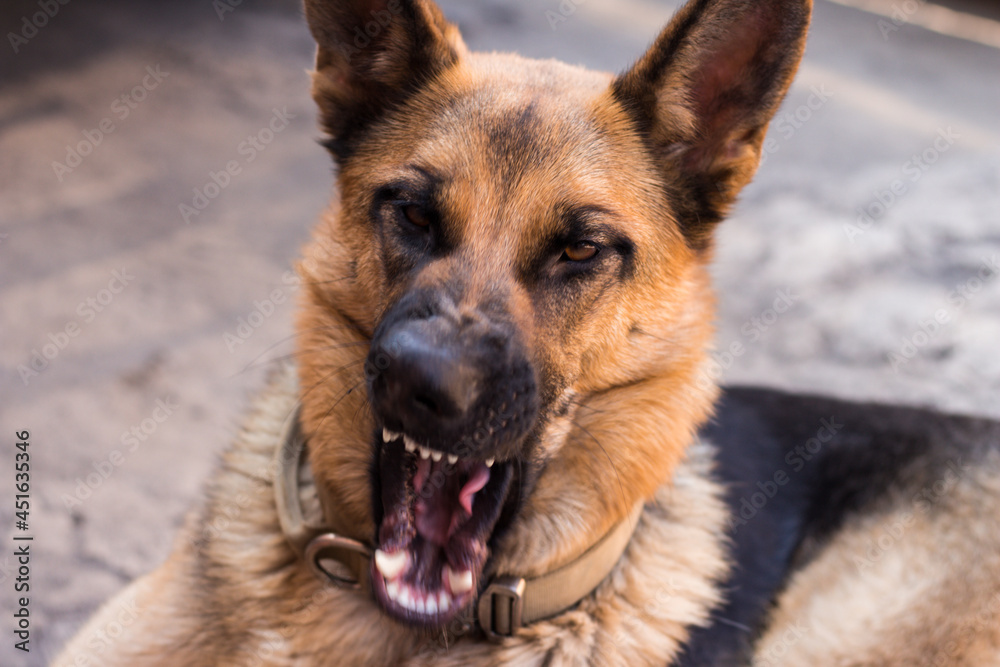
(497, 444)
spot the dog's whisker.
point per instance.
(621, 487)
(306, 391)
(581, 405)
(301, 332)
(320, 283)
(363, 408)
(292, 355)
(643, 332)
(336, 402)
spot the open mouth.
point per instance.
(439, 511)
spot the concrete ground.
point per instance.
(115, 309)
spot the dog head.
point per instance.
(503, 340)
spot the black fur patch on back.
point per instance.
(796, 468)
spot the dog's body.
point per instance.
(517, 274)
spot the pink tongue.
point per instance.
(436, 513)
(480, 476)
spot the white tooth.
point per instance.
(425, 453)
(409, 444)
(390, 565)
(452, 459)
(392, 590)
(388, 435)
(490, 462)
(405, 598)
(444, 602)
(421, 606)
(436, 455)
(460, 582)
(432, 605)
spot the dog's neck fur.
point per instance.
(665, 583)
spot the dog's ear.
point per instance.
(704, 94)
(372, 55)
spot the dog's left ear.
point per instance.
(704, 94)
(372, 55)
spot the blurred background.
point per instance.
(159, 172)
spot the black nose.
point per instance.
(423, 380)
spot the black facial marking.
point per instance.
(581, 224)
(406, 245)
(514, 143)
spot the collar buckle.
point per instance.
(501, 607)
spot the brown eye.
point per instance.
(416, 215)
(580, 251)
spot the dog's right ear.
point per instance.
(372, 55)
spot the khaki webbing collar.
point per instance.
(507, 603)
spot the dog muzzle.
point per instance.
(506, 603)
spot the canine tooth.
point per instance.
(444, 602)
(436, 455)
(425, 453)
(490, 462)
(409, 444)
(421, 605)
(392, 590)
(390, 565)
(452, 459)
(460, 582)
(432, 605)
(388, 436)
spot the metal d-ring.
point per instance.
(351, 554)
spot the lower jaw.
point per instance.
(422, 591)
(411, 604)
